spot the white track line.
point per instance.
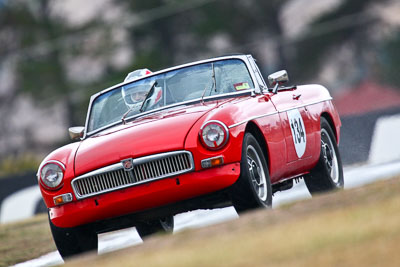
(20, 205)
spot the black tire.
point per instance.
(253, 188)
(75, 240)
(327, 175)
(148, 228)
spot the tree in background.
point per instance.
(347, 25)
(191, 31)
(162, 33)
(42, 45)
(40, 69)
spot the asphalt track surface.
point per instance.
(354, 176)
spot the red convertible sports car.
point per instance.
(197, 136)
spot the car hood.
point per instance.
(154, 133)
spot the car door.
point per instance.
(297, 128)
(295, 123)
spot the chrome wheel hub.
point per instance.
(329, 155)
(257, 174)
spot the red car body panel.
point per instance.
(178, 129)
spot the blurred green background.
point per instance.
(55, 54)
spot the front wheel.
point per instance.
(146, 229)
(328, 173)
(75, 240)
(253, 188)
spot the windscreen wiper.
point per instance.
(214, 83)
(149, 93)
(126, 113)
(213, 77)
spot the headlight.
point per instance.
(52, 174)
(214, 135)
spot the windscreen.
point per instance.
(168, 88)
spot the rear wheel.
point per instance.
(163, 225)
(328, 173)
(253, 188)
(75, 240)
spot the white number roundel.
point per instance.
(298, 131)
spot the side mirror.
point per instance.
(76, 133)
(278, 78)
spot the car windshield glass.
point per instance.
(172, 87)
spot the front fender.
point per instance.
(231, 152)
(66, 156)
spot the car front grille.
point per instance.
(144, 170)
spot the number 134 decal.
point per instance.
(298, 131)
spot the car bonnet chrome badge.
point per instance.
(128, 164)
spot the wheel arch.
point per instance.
(253, 128)
(329, 118)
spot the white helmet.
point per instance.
(137, 74)
(134, 94)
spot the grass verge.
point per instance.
(25, 240)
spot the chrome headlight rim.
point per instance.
(59, 168)
(213, 127)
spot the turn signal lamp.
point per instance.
(62, 199)
(212, 162)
